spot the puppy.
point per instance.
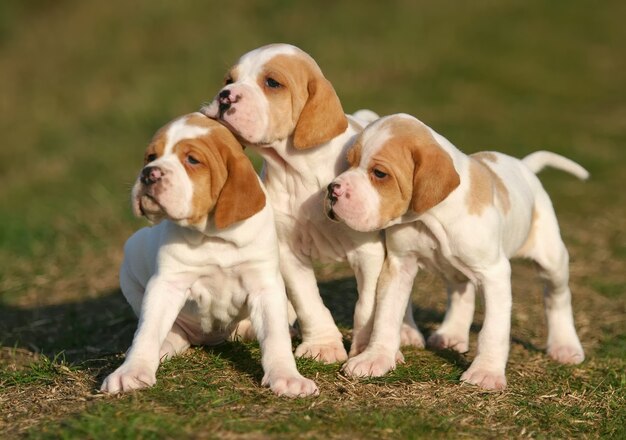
(463, 217)
(211, 261)
(277, 101)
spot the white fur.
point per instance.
(190, 286)
(472, 251)
(296, 182)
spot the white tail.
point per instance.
(538, 160)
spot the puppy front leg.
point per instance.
(487, 369)
(268, 315)
(160, 307)
(321, 339)
(394, 290)
(367, 263)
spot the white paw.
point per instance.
(360, 339)
(440, 341)
(129, 377)
(489, 379)
(567, 354)
(371, 364)
(411, 337)
(290, 385)
(243, 332)
(328, 353)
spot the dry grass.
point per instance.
(87, 83)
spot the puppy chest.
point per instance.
(216, 301)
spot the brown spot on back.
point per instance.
(528, 245)
(485, 156)
(484, 184)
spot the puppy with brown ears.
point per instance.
(277, 101)
(209, 263)
(463, 217)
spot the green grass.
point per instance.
(86, 84)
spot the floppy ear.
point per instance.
(242, 196)
(434, 177)
(322, 117)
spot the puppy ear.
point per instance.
(434, 176)
(241, 196)
(322, 117)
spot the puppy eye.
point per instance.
(228, 80)
(151, 158)
(272, 83)
(192, 160)
(379, 174)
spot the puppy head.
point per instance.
(397, 166)
(275, 92)
(195, 169)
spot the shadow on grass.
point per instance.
(91, 332)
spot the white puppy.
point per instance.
(277, 101)
(463, 217)
(210, 262)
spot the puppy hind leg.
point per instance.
(454, 330)
(176, 343)
(552, 258)
(410, 335)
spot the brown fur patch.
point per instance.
(420, 173)
(532, 236)
(316, 114)
(476, 201)
(485, 156)
(224, 182)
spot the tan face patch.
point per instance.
(207, 176)
(420, 174)
(288, 99)
(484, 185)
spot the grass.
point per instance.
(85, 85)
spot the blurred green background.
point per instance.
(85, 84)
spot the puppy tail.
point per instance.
(538, 160)
(365, 115)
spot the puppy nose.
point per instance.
(150, 175)
(334, 191)
(224, 100)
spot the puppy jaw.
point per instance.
(169, 198)
(247, 114)
(354, 202)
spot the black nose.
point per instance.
(150, 175)
(224, 94)
(330, 188)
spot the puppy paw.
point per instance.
(327, 353)
(129, 377)
(441, 341)
(486, 378)
(290, 385)
(371, 364)
(411, 337)
(567, 354)
(243, 332)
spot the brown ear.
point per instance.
(242, 196)
(322, 117)
(434, 176)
